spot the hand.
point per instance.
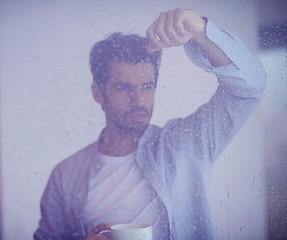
(94, 233)
(174, 28)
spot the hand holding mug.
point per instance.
(95, 233)
(130, 231)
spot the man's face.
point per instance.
(129, 96)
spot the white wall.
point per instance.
(48, 112)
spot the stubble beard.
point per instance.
(137, 131)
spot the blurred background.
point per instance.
(47, 112)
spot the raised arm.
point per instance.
(240, 75)
(177, 27)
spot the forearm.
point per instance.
(179, 26)
(212, 52)
(244, 77)
(241, 85)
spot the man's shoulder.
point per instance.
(73, 172)
(79, 159)
(154, 131)
(154, 134)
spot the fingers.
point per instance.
(166, 31)
(154, 43)
(94, 233)
(171, 28)
(179, 18)
(160, 30)
(101, 227)
(174, 28)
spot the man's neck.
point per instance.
(116, 143)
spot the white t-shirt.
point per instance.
(120, 194)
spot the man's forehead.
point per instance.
(123, 68)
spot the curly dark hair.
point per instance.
(118, 47)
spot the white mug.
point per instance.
(130, 231)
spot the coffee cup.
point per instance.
(130, 231)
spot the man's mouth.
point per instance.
(138, 114)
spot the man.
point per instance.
(137, 172)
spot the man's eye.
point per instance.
(148, 86)
(121, 88)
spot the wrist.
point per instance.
(200, 37)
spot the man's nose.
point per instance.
(136, 97)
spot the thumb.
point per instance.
(150, 48)
(101, 227)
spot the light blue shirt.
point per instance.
(176, 159)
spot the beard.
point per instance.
(126, 124)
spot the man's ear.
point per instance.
(97, 93)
